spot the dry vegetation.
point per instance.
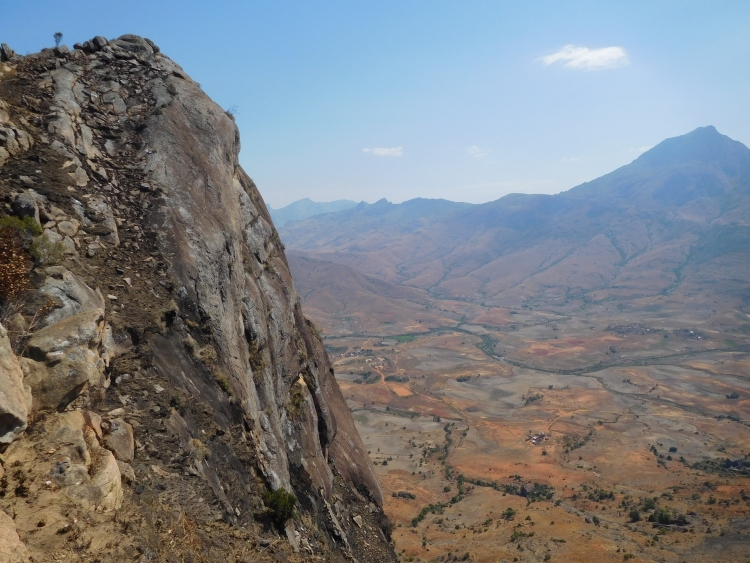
(631, 436)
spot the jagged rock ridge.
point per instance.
(169, 374)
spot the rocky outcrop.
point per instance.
(192, 384)
(64, 358)
(15, 397)
(12, 549)
(229, 265)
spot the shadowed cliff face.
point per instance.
(193, 353)
(230, 268)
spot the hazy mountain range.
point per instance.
(677, 216)
(304, 208)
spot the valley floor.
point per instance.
(517, 435)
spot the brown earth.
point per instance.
(641, 395)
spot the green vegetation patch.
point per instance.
(726, 467)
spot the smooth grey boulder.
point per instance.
(134, 44)
(15, 399)
(99, 41)
(64, 360)
(70, 293)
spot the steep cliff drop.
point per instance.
(161, 392)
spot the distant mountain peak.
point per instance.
(305, 208)
(704, 144)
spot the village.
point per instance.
(538, 438)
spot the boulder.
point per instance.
(15, 398)
(99, 41)
(6, 53)
(12, 549)
(87, 472)
(103, 491)
(70, 293)
(64, 360)
(67, 228)
(25, 205)
(97, 219)
(134, 44)
(120, 440)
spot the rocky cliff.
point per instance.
(161, 392)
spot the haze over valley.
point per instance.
(595, 342)
(375, 282)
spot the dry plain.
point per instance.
(537, 434)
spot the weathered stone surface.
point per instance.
(99, 41)
(12, 549)
(14, 397)
(134, 44)
(70, 293)
(25, 205)
(127, 473)
(149, 159)
(97, 218)
(87, 472)
(6, 53)
(119, 440)
(63, 359)
(238, 276)
(67, 228)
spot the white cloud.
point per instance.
(383, 151)
(583, 58)
(476, 152)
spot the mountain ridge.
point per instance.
(601, 235)
(305, 208)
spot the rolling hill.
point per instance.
(676, 218)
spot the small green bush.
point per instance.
(280, 505)
(26, 225)
(47, 252)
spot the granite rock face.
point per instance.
(190, 384)
(14, 395)
(229, 265)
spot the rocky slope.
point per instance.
(158, 378)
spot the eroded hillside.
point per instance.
(159, 378)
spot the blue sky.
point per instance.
(465, 100)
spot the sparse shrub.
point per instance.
(178, 403)
(296, 400)
(26, 226)
(58, 37)
(171, 89)
(280, 505)
(509, 513)
(47, 252)
(596, 521)
(14, 267)
(635, 516)
(221, 380)
(198, 450)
